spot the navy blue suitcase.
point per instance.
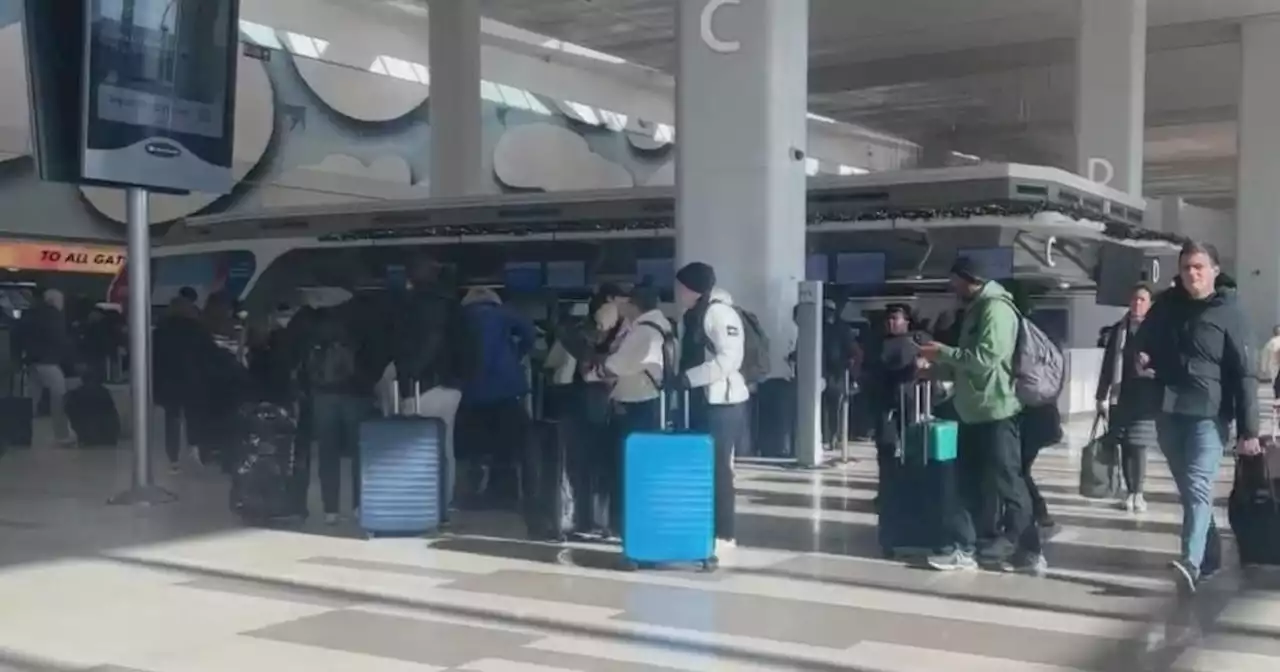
(400, 474)
(918, 488)
(668, 498)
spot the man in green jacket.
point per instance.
(989, 462)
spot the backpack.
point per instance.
(1039, 369)
(668, 354)
(755, 348)
(332, 358)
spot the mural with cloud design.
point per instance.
(311, 132)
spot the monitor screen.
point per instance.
(817, 268)
(566, 274)
(522, 276)
(659, 273)
(864, 269)
(997, 262)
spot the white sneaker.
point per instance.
(1139, 503)
(725, 547)
(1125, 503)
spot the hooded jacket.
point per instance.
(638, 360)
(1201, 356)
(505, 339)
(981, 363)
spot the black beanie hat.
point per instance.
(969, 269)
(698, 277)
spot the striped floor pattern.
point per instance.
(185, 589)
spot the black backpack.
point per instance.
(331, 360)
(755, 348)
(669, 348)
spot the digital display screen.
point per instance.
(660, 273)
(817, 268)
(865, 269)
(566, 274)
(995, 262)
(522, 276)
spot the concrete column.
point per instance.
(456, 141)
(741, 92)
(1258, 176)
(1111, 71)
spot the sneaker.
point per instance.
(1139, 503)
(725, 547)
(1126, 504)
(330, 519)
(952, 562)
(1030, 564)
(1185, 576)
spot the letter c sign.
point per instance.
(709, 36)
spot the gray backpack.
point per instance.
(1039, 368)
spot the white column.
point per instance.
(1258, 177)
(456, 141)
(741, 92)
(1111, 71)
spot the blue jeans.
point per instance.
(1193, 448)
(336, 422)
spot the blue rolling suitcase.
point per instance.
(668, 498)
(400, 473)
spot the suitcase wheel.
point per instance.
(710, 564)
(629, 566)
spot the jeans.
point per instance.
(727, 425)
(1039, 508)
(989, 470)
(337, 419)
(50, 377)
(1193, 448)
(441, 402)
(641, 416)
(1135, 436)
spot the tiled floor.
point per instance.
(185, 588)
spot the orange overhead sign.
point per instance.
(66, 258)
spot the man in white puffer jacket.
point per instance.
(712, 344)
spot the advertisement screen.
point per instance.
(566, 274)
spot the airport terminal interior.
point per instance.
(840, 163)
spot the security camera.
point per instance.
(797, 154)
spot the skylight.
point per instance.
(812, 166)
(305, 45)
(852, 170)
(819, 117)
(261, 35)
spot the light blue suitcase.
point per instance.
(400, 474)
(668, 499)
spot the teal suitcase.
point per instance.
(925, 438)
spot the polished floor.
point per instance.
(184, 588)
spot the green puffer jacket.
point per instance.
(981, 366)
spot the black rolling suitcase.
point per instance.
(1254, 506)
(271, 476)
(17, 414)
(918, 487)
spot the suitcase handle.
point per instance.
(922, 404)
(395, 397)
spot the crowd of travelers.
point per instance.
(1177, 375)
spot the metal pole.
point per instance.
(808, 437)
(139, 308)
(845, 402)
(139, 260)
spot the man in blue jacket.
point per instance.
(492, 415)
